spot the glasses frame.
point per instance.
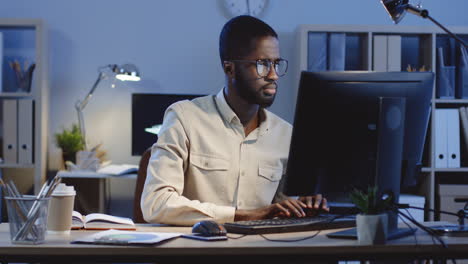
(270, 62)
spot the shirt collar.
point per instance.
(228, 114)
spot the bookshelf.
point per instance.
(418, 47)
(24, 41)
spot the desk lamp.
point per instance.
(126, 72)
(397, 10)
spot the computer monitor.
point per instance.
(355, 129)
(147, 116)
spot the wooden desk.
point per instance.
(249, 249)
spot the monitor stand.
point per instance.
(351, 233)
(394, 231)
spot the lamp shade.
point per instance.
(395, 8)
(126, 72)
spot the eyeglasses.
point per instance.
(264, 66)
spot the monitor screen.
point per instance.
(147, 117)
(358, 129)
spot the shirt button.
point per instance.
(206, 163)
(243, 173)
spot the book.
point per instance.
(118, 169)
(97, 221)
(117, 237)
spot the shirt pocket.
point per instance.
(209, 163)
(270, 173)
(267, 183)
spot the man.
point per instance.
(222, 157)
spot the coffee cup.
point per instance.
(60, 209)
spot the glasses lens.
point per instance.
(263, 67)
(281, 66)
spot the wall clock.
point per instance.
(245, 7)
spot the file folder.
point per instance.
(10, 125)
(394, 53)
(336, 51)
(317, 52)
(462, 75)
(445, 80)
(453, 138)
(25, 131)
(440, 138)
(380, 53)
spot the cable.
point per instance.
(290, 240)
(304, 238)
(238, 237)
(424, 228)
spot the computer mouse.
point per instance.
(208, 228)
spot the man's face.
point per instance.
(250, 86)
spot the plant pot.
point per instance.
(372, 229)
(69, 156)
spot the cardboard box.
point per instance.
(447, 195)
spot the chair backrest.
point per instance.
(141, 178)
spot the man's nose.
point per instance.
(272, 75)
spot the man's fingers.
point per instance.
(325, 205)
(282, 209)
(318, 201)
(309, 201)
(295, 207)
(301, 203)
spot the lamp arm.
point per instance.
(448, 31)
(81, 104)
(424, 13)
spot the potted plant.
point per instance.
(372, 222)
(70, 141)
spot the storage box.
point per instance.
(447, 195)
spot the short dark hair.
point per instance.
(235, 40)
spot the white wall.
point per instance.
(175, 45)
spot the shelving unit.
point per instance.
(418, 48)
(24, 40)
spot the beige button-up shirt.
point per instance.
(203, 166)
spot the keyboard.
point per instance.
(283, 225)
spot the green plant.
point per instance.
(371, 203)
(70, 140)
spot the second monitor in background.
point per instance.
(147, 116)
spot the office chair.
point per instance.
(137, 215)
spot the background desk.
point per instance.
(102, 193)
(249, 249)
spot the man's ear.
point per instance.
(228, 67)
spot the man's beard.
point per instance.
(252, 96)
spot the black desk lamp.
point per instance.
(397, 10)
(126, 72)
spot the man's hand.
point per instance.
(289, 207)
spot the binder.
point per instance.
(379, 58)
(464, 123)
(336, 51)
(25, 131)
(453, 138)
(10, 126)
(317, 52)
(394, 53)
(440, 138)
